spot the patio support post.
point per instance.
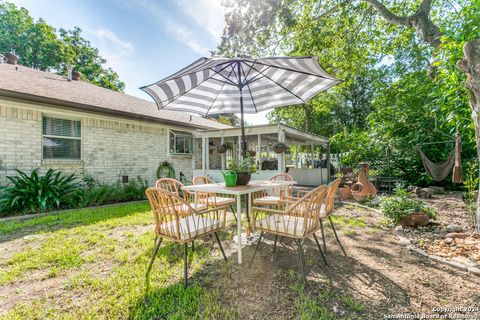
(222, 141)
(328, 161)
(239, 148)
(207, 153)
(281, 156)
(311, 155)
(259, 150)
(203, 154)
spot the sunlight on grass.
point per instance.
(99, 257)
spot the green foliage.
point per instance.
(38, 45)
(247, 165)
(34, 193)
(401, 205)
(397, 91)
(101, 194)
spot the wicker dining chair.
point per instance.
(213, 199)
(177, 221)
(273, 198)
(327, 209)
(297, 220)
(175, 186)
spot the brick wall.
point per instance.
(110, 146)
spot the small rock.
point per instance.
(424, 192)
(375, 202)
(448, 240)
(470, 241)
(454, 228)
(455, 235)
(437, 190)
(411, 188)
(459, 241)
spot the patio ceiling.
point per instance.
(268, 132)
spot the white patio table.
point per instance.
(238, 191)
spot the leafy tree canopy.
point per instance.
(40, 46)
(399, 87)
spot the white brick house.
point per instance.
(47, 121)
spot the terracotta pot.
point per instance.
(415, 219)
(11, 58)
(243, 178)
(363, 188)
(75, 75)
(345, 192)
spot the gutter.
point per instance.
(94, 109)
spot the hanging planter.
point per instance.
(280, 147)
(251, 153)
(223, 148)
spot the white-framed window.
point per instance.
(61, 138)
(180, 142)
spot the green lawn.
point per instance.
(91, 263)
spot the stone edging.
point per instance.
(457, 265)
(50, 213)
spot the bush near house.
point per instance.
(33, 193)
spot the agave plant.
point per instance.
(36, 193)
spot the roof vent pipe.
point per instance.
(11, 58)
(69, 72)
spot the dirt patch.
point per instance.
(378, 273)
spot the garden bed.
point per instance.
(452, 236)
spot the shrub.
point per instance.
(401, 205)
(100, 194)
(34, 193)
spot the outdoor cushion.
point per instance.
(282, 223)
(191, 226)
(267, 200)
(220, 201)
(198, 206)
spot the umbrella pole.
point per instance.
(243, 144)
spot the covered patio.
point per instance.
(308, 164)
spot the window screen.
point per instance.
(61, 138)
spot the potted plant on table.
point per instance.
(407, 212)
(243, 169)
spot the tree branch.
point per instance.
(420, 21)
(387, 14)
(425, 6)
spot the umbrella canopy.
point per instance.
(241, 85)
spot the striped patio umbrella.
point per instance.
(241, 85)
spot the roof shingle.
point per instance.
(36, 85)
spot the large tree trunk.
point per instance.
(470, 64)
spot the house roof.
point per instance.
(39, 86)
(292, 136)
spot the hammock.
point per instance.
(440, 171)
